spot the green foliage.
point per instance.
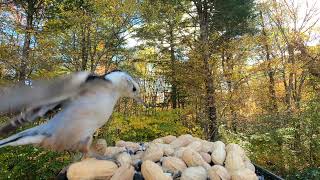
(309, 173)
(28, 162)
(233, 16)
(290, 148)
(146, 128)
(227, 136)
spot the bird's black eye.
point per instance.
(134, 89)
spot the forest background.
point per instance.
(240, 71)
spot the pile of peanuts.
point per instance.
(166, 158)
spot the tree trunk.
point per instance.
(290, 87)
(227, 68)
(26, 44)
(84, 48)
(270, 71)
(311, 63)
(92, 50)
(202, 9)
(173, 73)
(1, 72)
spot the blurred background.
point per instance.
(240, 71)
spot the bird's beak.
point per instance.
(140, 101)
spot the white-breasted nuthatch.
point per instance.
(86, 102)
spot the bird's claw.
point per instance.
(108, 158)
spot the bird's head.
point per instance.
(126, 85)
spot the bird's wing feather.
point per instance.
(44, 96)
(18, 97)
(28, 116)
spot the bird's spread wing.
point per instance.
(42, 97)
(20, 96)
(28, 116)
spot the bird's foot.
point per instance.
(77, 156)
(108, 158)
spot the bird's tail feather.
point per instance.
(26, 137)
(10, 139)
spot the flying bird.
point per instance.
(86, 102)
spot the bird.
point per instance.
(84, 101)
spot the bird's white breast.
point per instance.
(86, 113)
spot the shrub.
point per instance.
(146, 128)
